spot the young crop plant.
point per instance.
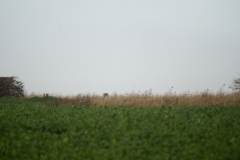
(30, 130)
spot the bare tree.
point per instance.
(235, 85)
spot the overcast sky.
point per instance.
(95, 46)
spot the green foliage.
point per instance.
(30, 130)
(43, 99)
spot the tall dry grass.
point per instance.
(147, 99)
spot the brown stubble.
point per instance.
(147, 99)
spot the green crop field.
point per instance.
(31, 130)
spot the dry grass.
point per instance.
(147, 99)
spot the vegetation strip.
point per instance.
(30, 130)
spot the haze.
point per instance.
(96, 46)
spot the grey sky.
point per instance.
(85, 46)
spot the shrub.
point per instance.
(11, 86)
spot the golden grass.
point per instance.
(147, 99)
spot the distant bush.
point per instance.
(79, 100)
(10, 86)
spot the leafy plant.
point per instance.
(30, 130)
